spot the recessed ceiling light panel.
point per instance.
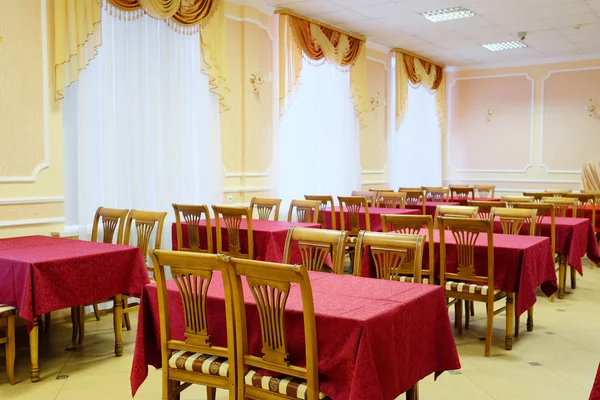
(448, 14)
(515, 44)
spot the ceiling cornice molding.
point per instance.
(512, 64)
(377, 46)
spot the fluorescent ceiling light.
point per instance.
(515, 44)
(447, 14)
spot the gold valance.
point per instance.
(181, 12)
(300, 36)
(411, 68)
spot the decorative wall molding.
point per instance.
(37, 221)
(249, 189)
(551, 60)
(252, 21)
(31, 200)
(46, 109)
(509, 180)
(543, 114)
(385, 64)
(382, 182)
(531, 127)
(377, 46)
(374, 171)
(246, 175)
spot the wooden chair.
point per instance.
(558, 192)
(437, 194)
(484, 191)
(326, 201)
(306, 210)
(232, 218)
(391, 199)
(315, 245)
(454, 211)
(543, 209)
(194, 360)
(512, 221)
(270, 286)
(561, 205)
(485, 207)
(396, 257)
(517, 199)
(265, 207)
(412, 225)
(192, 215)
(370, 196)
(460, 193)
(414, 196)
(537, 196)
(583, 201)
(459, 186)
(465, 283)
(353, 205)
(7, 320)
(145, 222)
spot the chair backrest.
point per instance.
(326, 201)
(461, 193)
(265, 207)
(391, 199)
(394, 255)
(352, 205)
(436, 194)
(193, 273)
(192, 215)
(537, 196)
(485, 207)
(145, 221)
(454, 211)
(414, 196)
(315, 245)
(543, 209)
(270, 285)
(111, 219)
(465, 232)
(512, 220)
(232, 218)
(412, 225)
(458, 186)
(584, 200)
(484, 191)
(369, 195)
(517, 199)
(561, 205)
(558, 192)
(306, 211)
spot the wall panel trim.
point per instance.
(31, 200)
(37, 221)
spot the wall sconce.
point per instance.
(257, 79)
(376, 102)
(1, 36)
(488, 115)
(591, 108)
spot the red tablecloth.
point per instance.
(574, 238)
(521, 264)
(464, 201)
(375, 338)
(39, 274)
(588, 214)
(595, 394)
(431, 206)
(269, 238)
(374, 216)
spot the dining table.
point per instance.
(375, 339)
(41, 274)
(374, 216)
(595, 393)
(430, 206)
(464, 201)
(269, 238)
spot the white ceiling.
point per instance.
(549, 25)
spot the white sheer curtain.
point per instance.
(319, 138)
(417, 145)
(141, 128)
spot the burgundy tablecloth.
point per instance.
(574, 238)
(374, 217)
(269, 238)
(430, 206)
(588, 214)
(39, 274)
(375, 339)
(595, 394)
(521, 264)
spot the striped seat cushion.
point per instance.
(472, 288)
(285, 385)
(6, 311)
(412, 279)
(201, 363)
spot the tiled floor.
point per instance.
(564, 349)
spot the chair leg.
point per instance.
(467, 313)
(459, 310)
(530, 319)
(561, 277)
(517, 317)
(472, 308)
(96, 311)
(573, 278)
(81, 323)
(10, 350)
(47, 319)
(489, 327)
(75, 323)
(173, 385)
(211, 393)
(126, 319)
(510, 316)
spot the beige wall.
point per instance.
(31, 174)
(539, 134)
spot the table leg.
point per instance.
(510, 316)
(413, 392)
(117, 323)
(530, 319)
(573, 278)
(34, 372)
(562, 276)
(75, 322)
